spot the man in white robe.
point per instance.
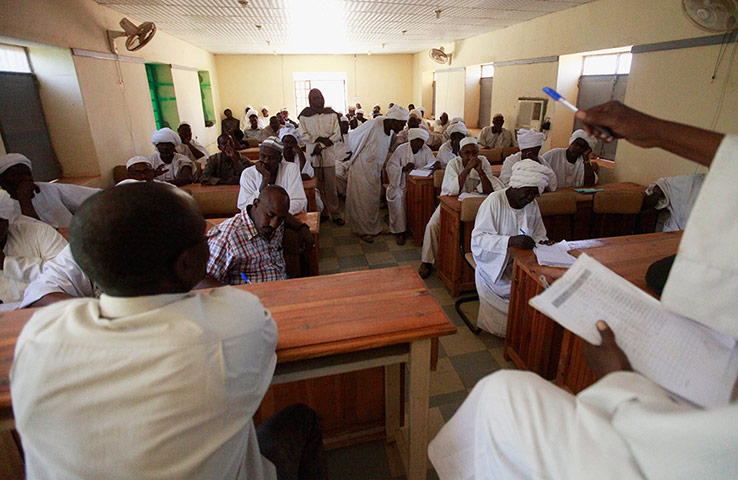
(190, 147)
(467, 173)
(571, 165)
(170, 166)
(263, 121)
(252, 129)
(370, 144)
(495, 136)
(61, 279)
(450, 149)
(517, 425)
(27, 244)
(453, 121)
(408, 156)
(293, 153)
(507, 218)
(675, 194)
(52, 203)
(343, 157)
(530, 143)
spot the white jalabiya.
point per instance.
(342, 151)
(288, 177)
(680, 193)
(511, 160)
(178, 163)
(450, 186)
(396, 191)
(503, 139)
(369, 144)
(496, 222)
(59, 275)
(185, 150)
(262, 121)
(319, 125)
(567, 174)
(30, 244)
(56, 203)
(446, 153)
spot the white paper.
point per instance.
(470, 195)
(554, 255)
(421, 172)
(683, 356)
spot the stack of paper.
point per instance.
(421, 172)
(470, 195)
(554, 255)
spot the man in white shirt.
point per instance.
(517, 425)
(286, 118)
(152, 380)
(467, 173)
(571, 165)
(52, 203)
(675, 194)
(252, 128)
(60, 279)
(264, 117)
(406, 158)
(450, 149)
(530, 143)
(190, 147)
(170, 166)
(343, 157)
(507, 218)
(495, 136)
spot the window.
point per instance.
(163, 100)
(206, 94)
(331, 84)
(616, 63)
(14, 59)
(488, 71)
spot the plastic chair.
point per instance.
(615, 213)
(558, 210)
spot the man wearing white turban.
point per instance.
(530, 143)
(450, 149)
(26, 245)
(52, 203)
(370, 144)
(407, 157)
(414, 121)
(494, 136)
(139, 169)
(467, 173)
(360, 117)
(343, 157)
(452, 122)
(252, 129)
(677, 195)
(170, 166)
(571, 165)
(263, 121)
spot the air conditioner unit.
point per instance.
(531, 112)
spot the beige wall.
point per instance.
(268, 79)
(471, 95)
(450, 87)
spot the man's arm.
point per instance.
(589, 175)
(306, 237)
(24, 193)
(196, 152)
(486, 183)
(184, 176)
(49, 299)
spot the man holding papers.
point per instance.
(517, 425)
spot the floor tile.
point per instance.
(328, 264)
(329, 272)
(442, 296)
(325, 241)
(348, 250)
(326, 252)
(445, 379)
(463, 341)
(448, 398)
(448, 410)
(434, 282)
(413, 263)
(345, 240)
(435, 423)
(474, 366)
(351, 261)
(453, 315)
(491, 341)
(368, 458)
(379, 258)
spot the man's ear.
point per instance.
(191, 265)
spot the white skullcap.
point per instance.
(284, 109)
(591, 141)
(360, 111)
(398, 113)
(284, 131)
(457, 128)
(529, 138)
(529, 173)
(273, 142)
(138, 159)
(456, 120)
(468, 141)
(166, 135)
(416, 113)
(251, 112)
(498, 115)
(344, 118)
(7, 161)
(414, 133)
(9, 208)
(377, 105)
(264, 107)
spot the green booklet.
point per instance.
(589, 190)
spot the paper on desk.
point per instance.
(421, 172)
(554, 255)
(466, 195)
(683, 356)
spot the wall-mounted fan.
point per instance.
(712, 15)
(439, 56)
(138, 36)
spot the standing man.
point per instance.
(343, 157)
(225, 167)
(370, 144)
(530, 143)
(170, 166)
(229, 124)
(571, 165)
(377, 111)
(190, 147)
(494, 136)
(319, 130)
(360, 117)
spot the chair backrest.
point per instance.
(251, 153)
(507, 151)
(627, 203)
(120, 173)
(438, 178)
(557, 203)
(217, 203)
(470, 207)
(493, 155)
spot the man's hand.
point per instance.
(160, 170)
(261, 168)
(409, 167)
(521, 241)
(306, 239)
(436, 165)
(546, 242)
(26, 190)
(473, 164)
(606, 357)
(325, 141)
(623, 122)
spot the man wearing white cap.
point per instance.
(170, 166)
(530, 143)
(377, 110)
(286, 118)
(467, 173)
(494, 136)
(52, 203)
(360, 116)
(190, 147)
(370, 144)
(407, 157)
(571, 165)
(414, 121)
(252, 129)
(450, 149)
(26, 245)
(264, 117)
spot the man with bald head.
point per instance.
(152, 380)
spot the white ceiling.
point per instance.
(331, 26)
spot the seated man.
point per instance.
(229, 124)
(452, 122)
(52, 203)
(441, 124)
(450, 149)
(248, 247)
(60, 279)
(170, 166)
(176, 376)
(677, 195)
(264, 117)
(293, 153)
(507, 218)
(467, 173)
(226, 166)
(271, 129)
(376, 110)
(190, 147)
(414, 121)
(139, 169)
(252, 130)
(407, 157)
(571, 165)
(287, 120)
(27, 245)
(530, 143)
(494, 136)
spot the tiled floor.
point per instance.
(464, 358)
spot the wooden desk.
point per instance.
(252, 153)
(336, 324)
(310, 186)
(452, 269)
(535, 342)
(420, 205)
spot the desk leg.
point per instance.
(392, 400)
(418, 410)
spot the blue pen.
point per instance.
(243, 275)
(556, 96)
(523, 232)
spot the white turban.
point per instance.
(284, 109)
(360, 111)
(138, 159)
(422, 111)
(416, 113)
(398, 113)
(284, 131)
(166, 135)
(529, 173)
(9, 208)
(250, 112)
(377, 106)
(7, 161)
(468, 141)
(529, 138)
(457, 128)
(344, 118)
(264, 107)
(184, 123)
(456, 120)
(591, 141)
(273, 142)
(414, 133)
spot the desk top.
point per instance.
(628, 256)
(199, 188)
(311, 218)
(316, 316)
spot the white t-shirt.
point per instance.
(288, 177)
